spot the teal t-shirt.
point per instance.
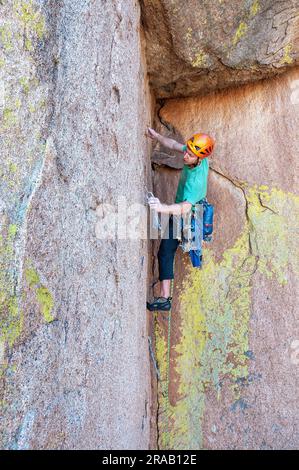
(193, 183)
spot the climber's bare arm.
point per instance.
(176, 209)
(169, 143)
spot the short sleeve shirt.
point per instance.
(193, 183)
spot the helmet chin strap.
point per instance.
(196, 164)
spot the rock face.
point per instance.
(74, 103)
(234, 347)
(195, 47)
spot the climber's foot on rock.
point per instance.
(159, 303)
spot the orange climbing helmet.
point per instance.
(201, 145)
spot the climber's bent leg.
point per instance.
(166, 254)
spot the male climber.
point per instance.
(191, 189)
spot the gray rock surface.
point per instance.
(212, 44)
(74, 105)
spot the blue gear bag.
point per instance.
(208, 220)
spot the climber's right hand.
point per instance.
(153, 201)
(152, 133)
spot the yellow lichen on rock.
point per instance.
(32, 19)
(46, 303)
(188, 35)
(43, 295)
(242, 28)
(274, 218)
(199, 60)
(6, 37)
(287, 59)
(255, 8)
(11, 315)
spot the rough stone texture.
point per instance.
(194, 47)
(234, 371)
(74, 103)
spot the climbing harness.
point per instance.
(198, 228)
(192, 229)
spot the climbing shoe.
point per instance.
(159, 303)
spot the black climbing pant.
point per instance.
(166, 254)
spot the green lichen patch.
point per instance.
(274, 217)
(166, 410)
(32, 108)
(199, 60)
(15, 324)
(43, 295)
(46, 303)
(12, 231)
(6, 37)
(255, 8)
(188, 35)
(241, 31)
(24, 82)
(32, 20)
(9, 118)
(11, 315)
(18, 103)
(13, 167)
(32, 277)
(287, 58)
(243, 25)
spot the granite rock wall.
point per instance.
(73, 344)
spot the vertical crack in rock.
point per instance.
(241, 186)
(20, 219)
(164, 123)
(252, 235)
